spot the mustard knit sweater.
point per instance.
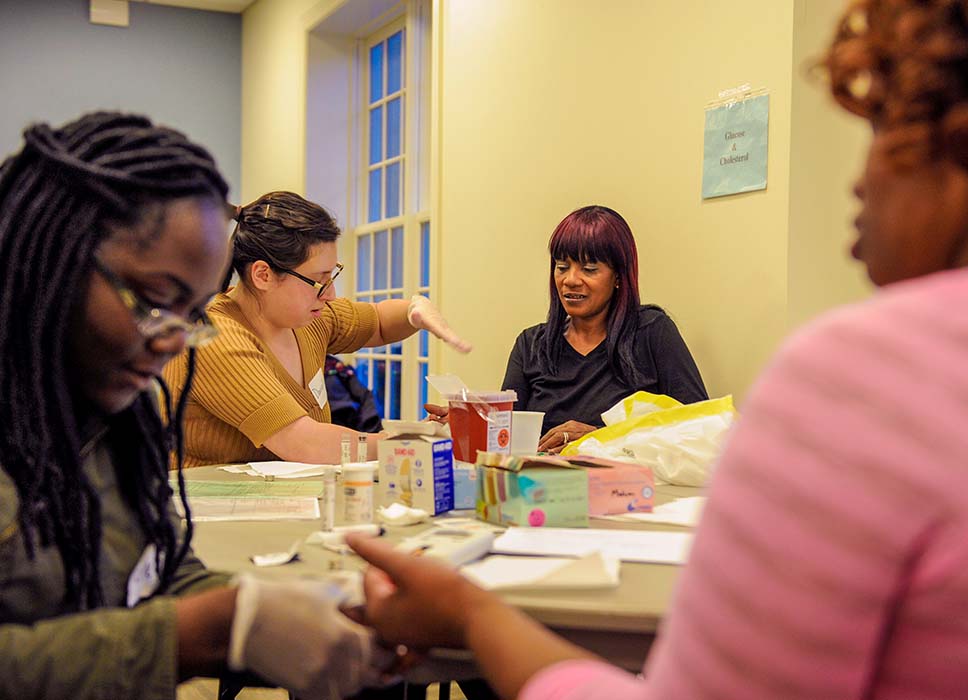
(241, 393)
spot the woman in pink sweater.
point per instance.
(832, 559)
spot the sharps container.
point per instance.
(480, 421)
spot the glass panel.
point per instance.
(394, 62)
(363, 371)
(380, 260)
(397, 295)
(363, 263)
(425, 254)
(395, 369)
(396, 257)
(374, 195)
(393, 189)
(376, 135)
(379, 297)
(422, 371)
(394, 127)
(424, 342)
(376, 72)
(379, 384)
(396, 349)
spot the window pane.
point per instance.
(425, 254)
(363, 263)
(422, 371)
(395, 369)
(378, 298)
(396, 257)
(424, 340)
(374, 195)
(376, 72)
(394, 127)
(394, 62)
(380, 260)
(396, 349)
(379, 384)
(376, 135)
(363, 371)
(393, 190)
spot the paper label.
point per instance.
(318, 387)
(499, 432)
(143, 581)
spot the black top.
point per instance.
(586, 386)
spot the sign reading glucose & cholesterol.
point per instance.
(735, 147)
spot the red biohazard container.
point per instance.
(480, 421)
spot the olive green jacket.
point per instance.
(114, 652)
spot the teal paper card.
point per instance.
(736, 147)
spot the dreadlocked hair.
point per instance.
(58, 198)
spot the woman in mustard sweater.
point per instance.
(259, 389)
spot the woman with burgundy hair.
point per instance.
(832, 556)
(599, 343)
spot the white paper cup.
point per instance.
(525, 431)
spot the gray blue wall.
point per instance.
(181, 67)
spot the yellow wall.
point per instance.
(274, 53)
(547, 105)
(827, 152)
(552, 104)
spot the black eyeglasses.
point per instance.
(320, 287)
(153, 322)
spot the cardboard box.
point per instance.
(559, 492)
(416, 467)
(465, 485)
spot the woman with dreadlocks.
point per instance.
(112, 238)
(832, 558)
(260, 387)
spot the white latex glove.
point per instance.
(424, 315)
(292, 633)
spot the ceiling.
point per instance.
(216, 5)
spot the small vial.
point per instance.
(327, 502)
(358, 493)
(345, 449)
(361, 451)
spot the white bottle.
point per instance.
(358, 492)
(327, 501)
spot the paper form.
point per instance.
(216, 509)
(249, 489)
(627, 545)
(684, 512)
(500, 573)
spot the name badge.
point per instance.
(318, 387)
(143, 581)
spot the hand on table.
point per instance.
(422, 314)
(555, 439)
(416, 601)
(436, 413)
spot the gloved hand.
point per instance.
(424, 315)
(292, 633)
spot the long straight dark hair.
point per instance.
(597, 234)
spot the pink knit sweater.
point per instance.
(832, 558)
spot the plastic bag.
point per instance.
(680, 444)
(638, 404)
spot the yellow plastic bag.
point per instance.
(680, 443)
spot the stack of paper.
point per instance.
(281, 470)
(208, 508)
(682, 511)
(499, 573)
(627, 545)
